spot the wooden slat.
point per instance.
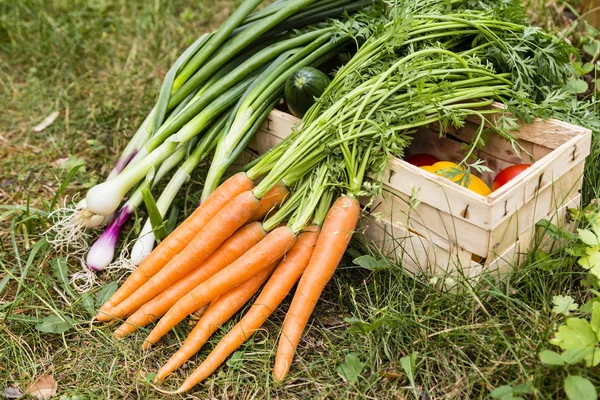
(545, 203)
(418, 254)
(438, 192)
(506, 201)
(434, 224)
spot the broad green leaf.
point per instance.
(371, 263)
(592, 48)
(576, 355)
(580, 388)
(149, 377)
(577, 250)
(588, 237)
(592, 358)
(54, 324)
(60, 271)
(501, 392)
(554, 232)
(582, 69)
(595, 319)
(588, 307)
(577, 86)
(106, 292)
(360, 326)
(564, 305)
(550, 357)
(523, 388)
(88, 303)
(408, 365)
(577, 333)
(351, 369)
(236, 360)
(591, 261)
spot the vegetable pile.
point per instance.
(290, 215)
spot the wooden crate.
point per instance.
(438, 226)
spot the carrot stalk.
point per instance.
(220, 228)
(337, 231)
(228, 252)
(271, 200)
(276, 289)
(266, 252)
(179, 238)
(219, 312)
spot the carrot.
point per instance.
(276, 289)
(337, 231)
(180, 237)
(219, 229)
(272, 199)
(266, 252)
(219, 312)
(228, 252)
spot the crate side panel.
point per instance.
(438, 192)
(546, 203)
(536, 179)
(436, 225)
(416, 252)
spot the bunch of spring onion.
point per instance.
(396, 83)
(217, 93)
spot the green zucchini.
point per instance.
(302, 89)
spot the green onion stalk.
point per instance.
(105, 198)
(261, 97)
(144, 244)
(69, 230)
(188, 123)
(102, 251)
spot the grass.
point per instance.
(99, 64)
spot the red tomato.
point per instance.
(421, 160)
(508, 174)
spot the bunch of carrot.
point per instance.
(219, 257)
(290, 216)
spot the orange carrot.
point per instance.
(219, 312)
(233, 248)
(272, 199)
(278, 286)
(266, 252)
(180, 237)
(220, 228)
(337, 231)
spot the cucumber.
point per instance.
(302, 89)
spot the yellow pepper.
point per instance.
(476, 185)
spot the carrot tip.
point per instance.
(102, 317)
(279, 378)
(184, 388)
(146, 345)
(280, 371)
